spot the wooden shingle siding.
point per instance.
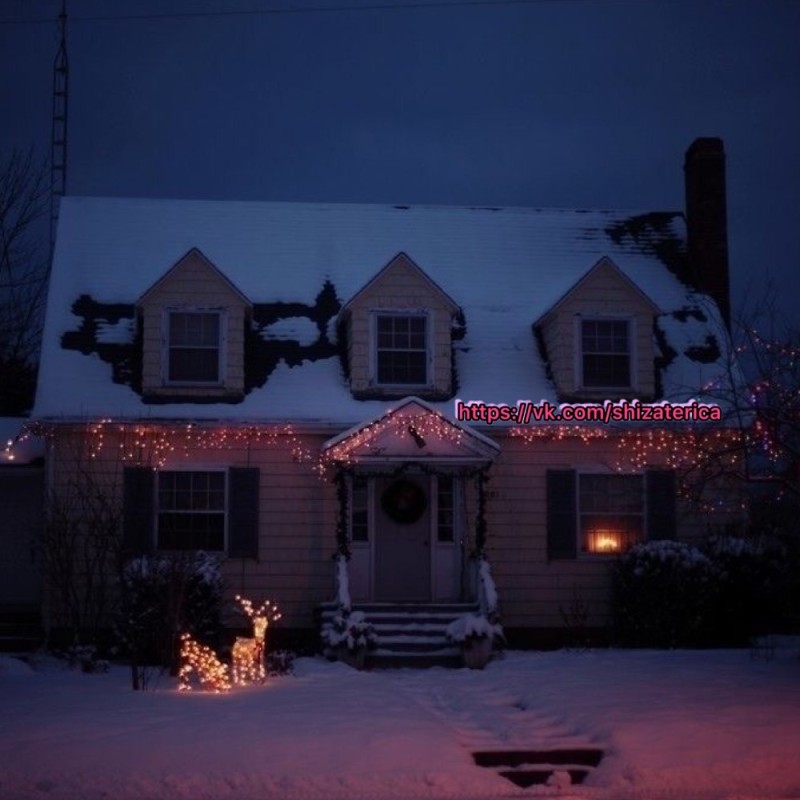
(298, 512)
(532, 586)
(296, 520)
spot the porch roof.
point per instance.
(411, 431)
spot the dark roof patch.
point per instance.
(706, 353)
(652, 234)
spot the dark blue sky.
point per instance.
(568, 103)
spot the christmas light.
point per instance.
(200, 659)
(247, 657)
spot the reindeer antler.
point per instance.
(266, 610)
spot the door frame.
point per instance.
(363, 577)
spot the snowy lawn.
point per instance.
(682, 724)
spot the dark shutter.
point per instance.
(562, 532)
(243, 512)
(138, 510)
(661, 491)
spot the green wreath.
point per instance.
(404, 502)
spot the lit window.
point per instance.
(606, 354)
(445, 522)
(193, 347)
(402, 350)
(611, 511)
(191, 511)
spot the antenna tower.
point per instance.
(58, 140)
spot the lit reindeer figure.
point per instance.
(203, 661)
(247, 659)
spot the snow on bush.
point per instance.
(661, 594)
(343, 585)
(351, 631)
(488, 589)
(469, 627)
(671, 594)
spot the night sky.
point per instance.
(566, 103)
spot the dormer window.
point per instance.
(605, 353)
(401, 349)
(194, 347)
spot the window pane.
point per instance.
(446, 509)
(401, 349)
(194, 339)
(177, 531)
(606, 371)
(359, 512)
(611, 511)
(191, 508)
(395, 366)
(194, 364)
(604, 533)
(606, 353)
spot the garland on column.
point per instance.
(480, 519)
(342, 532)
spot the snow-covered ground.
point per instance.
(680, 724)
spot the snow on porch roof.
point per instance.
(414, 430)
(504, 267)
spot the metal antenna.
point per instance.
(58, 141)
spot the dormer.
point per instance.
(193, 325)
(398, 330)
(598, 338)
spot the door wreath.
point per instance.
(404, 502)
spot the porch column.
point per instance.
(481, 479)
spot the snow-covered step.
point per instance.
(556, 767)
(409, 634)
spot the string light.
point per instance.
(159, 443)
(202, 660)
(699, 457)
(247, 657)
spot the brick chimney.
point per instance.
(707, 221)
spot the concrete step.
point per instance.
(526, 768)
(409, 634)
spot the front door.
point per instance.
(403, 539)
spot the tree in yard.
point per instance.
(24, 192)
(81, 545)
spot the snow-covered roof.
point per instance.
(504, 266)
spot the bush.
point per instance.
(749, 591)
(671, 594)
(661, 594)
(164, 596)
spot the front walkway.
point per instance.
(702, 725)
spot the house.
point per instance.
(283, 382)
(21, 492)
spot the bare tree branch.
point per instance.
(23, 275)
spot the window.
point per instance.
(445, 513)
(359, 509)
(402, 351)
(606, 353)
(606, 513)
(193, 347)
(191, 511)
(611, 512)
